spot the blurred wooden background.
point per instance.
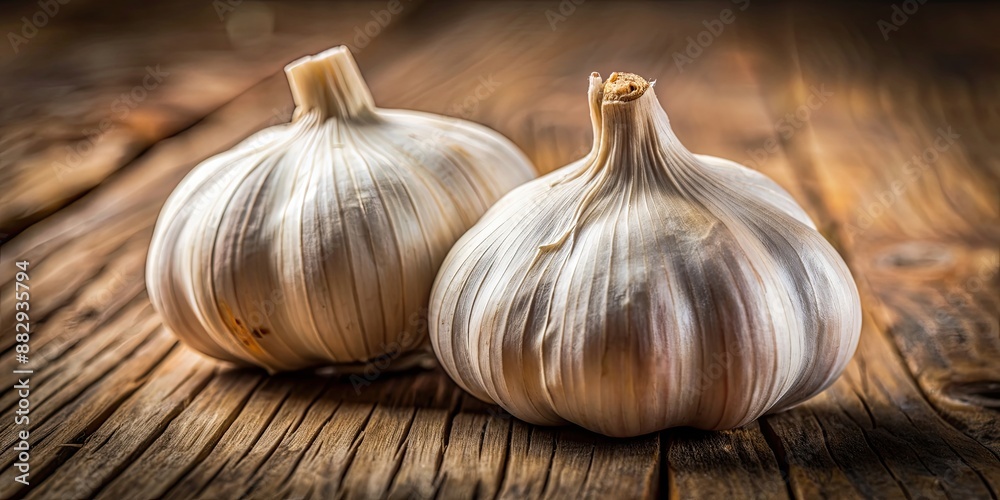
(107, 105)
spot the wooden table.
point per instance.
(118, 409)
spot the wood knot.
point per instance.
(983, 393)
(920, 256)
(88, 314)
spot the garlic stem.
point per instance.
(330, 83)
(631, 131)
(635, 127)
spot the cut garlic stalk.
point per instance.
(317, 242)
(644, 287)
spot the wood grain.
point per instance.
(120, 409)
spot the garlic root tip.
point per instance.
(624, 87)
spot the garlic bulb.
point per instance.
(317, 242)
(644, 287)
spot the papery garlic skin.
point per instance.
(317, 242)
(644, 287)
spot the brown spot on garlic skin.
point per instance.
(240, 331)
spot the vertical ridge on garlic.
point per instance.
(644, 287)
(317, 242)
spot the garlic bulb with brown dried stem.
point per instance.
(317, 242)
(644, 287)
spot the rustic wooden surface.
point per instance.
(120, 410)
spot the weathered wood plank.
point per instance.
(889, 400)
(272, 412)
(817, 469)
(286, 471)
(914, 415)
(113, 301)
(271, 480)
(80, 361)
(422, 456)
(529, 461)
(727, 464)
(96, 285)
(56, 437)
(626, 467)
(474, 460)
(162, 69)
(185, 441)
(401, 439)
(113, 446)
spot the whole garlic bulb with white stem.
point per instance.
(644, 287)
(317, 242)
